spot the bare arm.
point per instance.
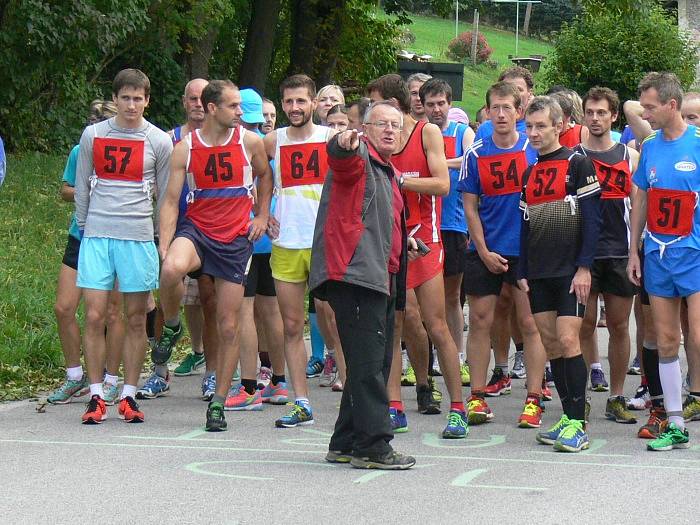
(493, 261)
(169, 206)
(67, 192)
(261, 171)
(439, 181)
(633, 113)
(637, 221)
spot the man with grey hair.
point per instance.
(668, 182)
(414, 82)
(560, 201)
(361, 271)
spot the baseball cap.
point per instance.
(251, 104)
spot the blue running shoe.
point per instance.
(314, 367)
(457, 425)
(298, 415)
(549, 436)
(208, 387)
(598, 381)
(399, 421)
(155, 386)
(573, 438)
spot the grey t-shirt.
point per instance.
(118, 171)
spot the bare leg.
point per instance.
(67, 300)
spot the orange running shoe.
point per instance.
(96, 411)
(129, 411)
(499, 384)
(546, 391)
(478, 411)
(532, 414)
(652, 429)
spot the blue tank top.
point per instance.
(452, 217)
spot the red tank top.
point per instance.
(571, 137)
(422, 211)
(220, 178)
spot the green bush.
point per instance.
(460, 48)
(616, 48)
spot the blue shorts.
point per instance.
(677, 274)
(227, 261)
(134, 263)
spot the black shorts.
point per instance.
(455, 246)
(479, 281)
(643, 295)
(260, 281)
(610, 276)
(228, 261)
(552, 295)
(70, 256)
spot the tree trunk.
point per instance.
(259, 44)
(526, 24)
(304, 27)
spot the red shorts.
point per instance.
(424, 268)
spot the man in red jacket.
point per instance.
(358, 264)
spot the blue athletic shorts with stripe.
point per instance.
(102, 260)
(676, 274)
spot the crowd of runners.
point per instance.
(536, 213)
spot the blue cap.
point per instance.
(252, 105)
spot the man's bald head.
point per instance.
(192, 102)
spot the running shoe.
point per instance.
(572, 438)
(240, 400)
(437, 394)
(338, 456)
(298, 415)
(337, 385)
(550, 436)
(275, 394)
(691, 409)
(465, 374)
(155, 386)
(532, 414)
(635, 368)
(216, 422)
(164, 349)
(641, 399)
(110, 392)
(427, 404)
(616, 409)
(264, 376)
(598, 382)
(314, 367)
(399, 421)
(328, 373)
(190, 364)
(546, 392)
(686, 383)
(652, 428)
(478, 411)
(208, 387)
(68, 390)
(671, 437)
(499, 384)
(236, 376)
(390, 461)
(436, 365)
(409, 378)
(96, 411)
(518, 371)
(129, 410)
(548, 376)
(457, 425)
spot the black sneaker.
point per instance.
(427, 404)
(216, 422)
(390, 461)
(338, 456)
(164, 348)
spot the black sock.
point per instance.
(276, 380)
(250, 386)
(151, 323)
(431, 357)
(558, 367)
(265, 359)
(576, 381)
(650, 362)
(519, 347)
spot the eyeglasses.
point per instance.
(386, 125)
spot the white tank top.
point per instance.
(300, 169)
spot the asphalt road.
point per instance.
(167, 470)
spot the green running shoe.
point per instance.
(111, 393)
(409, 378)
(190, 365)
(572, 438)
(465, 374)
(68, 390)
(671, 437)
(164, 349)
(691, 409)
(457, 426)
(616, 409)
(549, 436)
(216, 422)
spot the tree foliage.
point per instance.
(460, 48)
(616, 47)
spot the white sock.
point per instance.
(672, 384)
(75, 373)
(96, 390)
(303, 401)
(128, 391)
(112, 380)
(596, 366)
